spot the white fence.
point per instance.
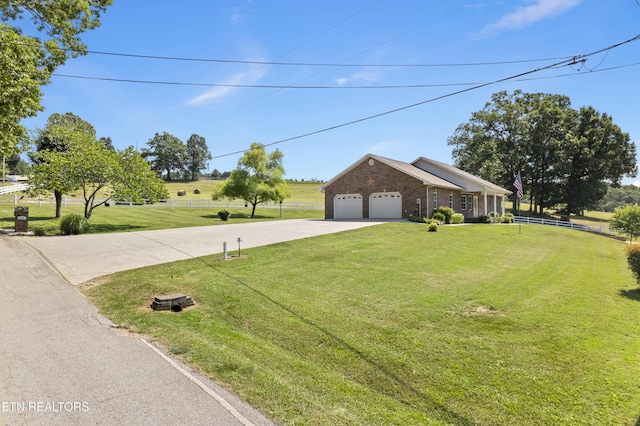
(171, 203)
(563, 224)
(13, 188)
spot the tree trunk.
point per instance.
(168, 175)
(253, 209)
(58, 196)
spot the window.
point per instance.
(451, 199)
(435, 201)
(463, 202)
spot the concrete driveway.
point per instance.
(80, 258)
(63, 363)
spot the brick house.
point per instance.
(381, 188)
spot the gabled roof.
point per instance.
(459, 177)
(406, 168)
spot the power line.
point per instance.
(574, 60)
(311, 64)
(267, 86)
(320, 64)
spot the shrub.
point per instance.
(484, 219)
(438, 217)
(447, 212)
(633, 258)
(417, 219)
(433, 227)
(506, 219)
(39, 231)
(224, 214)
(74, 224)
(457, 218)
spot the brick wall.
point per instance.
(365, 180)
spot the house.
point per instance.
(381, 188)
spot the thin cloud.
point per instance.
(525, 16)
(236, 17)
(385, 147)
(368, 77)
(248, 77)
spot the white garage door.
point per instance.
(385, 205)
(347, 206)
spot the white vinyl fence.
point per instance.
(8, 189)
(563, 224)
(164, 204)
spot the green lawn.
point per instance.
(124, 219)
(391, 324)
(301, 191)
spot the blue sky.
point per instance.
(358, 35)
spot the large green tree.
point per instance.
(26, 61)
(166, 152)
(565, 156)
(22, 72)
(61, 133)
(257, 179)
(101, 174)
(597, 152)
(197, 155)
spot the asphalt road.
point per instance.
(63, 363)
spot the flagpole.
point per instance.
(517, 183)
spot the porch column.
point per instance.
(495, 205)
(486, 211)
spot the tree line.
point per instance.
(567, 158)
(167, 153)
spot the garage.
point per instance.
(347, 206)
(385, 205)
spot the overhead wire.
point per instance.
(328, 64)
(573, 60)
(341, 87)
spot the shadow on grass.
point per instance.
(631, 294)
(238, 216)
(593, 219)
(103, 228)
(448, 415)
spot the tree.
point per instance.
(197, 155)
(597, 152)
(22, 72)
(257, 179)
(619, 197)
(94, 169)
(166, 152)
(26, 62)
(60, 134)
(626, 220)
(17, 165)
(107, 142)
(565, 156)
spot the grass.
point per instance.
(301, 191)
(123, 219)
(395, 325)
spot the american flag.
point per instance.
(518, 184)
